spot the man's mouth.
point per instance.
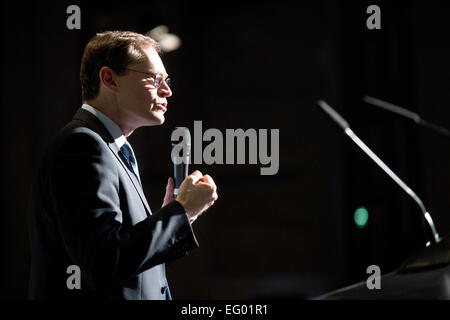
(162, 106)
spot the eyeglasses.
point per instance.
(157, 78)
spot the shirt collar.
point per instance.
(110, 125)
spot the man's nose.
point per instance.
(164, 91)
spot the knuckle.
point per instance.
(190, 178)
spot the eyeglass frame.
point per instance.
(154, 75)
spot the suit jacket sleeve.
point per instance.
(84, 191)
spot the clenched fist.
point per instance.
(196, 194)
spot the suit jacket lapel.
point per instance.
(96, 125)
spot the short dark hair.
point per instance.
(114, 49)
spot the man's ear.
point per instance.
(108, 79)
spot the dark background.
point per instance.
(253, 65)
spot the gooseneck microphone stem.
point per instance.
(394, 177)
(407, 114)
(435, 128)
(346, 127)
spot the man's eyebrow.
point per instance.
(165, 75)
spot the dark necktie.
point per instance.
(130, 159)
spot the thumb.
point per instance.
(169, 188)
(169, 192)
(169, 184)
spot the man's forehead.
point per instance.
(152, 61)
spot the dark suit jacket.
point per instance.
(88, 209)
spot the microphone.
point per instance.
(407, 114)
(180, 162)
(346, 127)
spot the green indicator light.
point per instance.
(361, 216)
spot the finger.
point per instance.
(207, 178)
(195, 176)
(207, 186)
(211, 182)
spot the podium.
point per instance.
(424, 276)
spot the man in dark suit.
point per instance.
(88, 208)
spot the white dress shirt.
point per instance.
(113, 129)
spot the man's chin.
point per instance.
(156, 119)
